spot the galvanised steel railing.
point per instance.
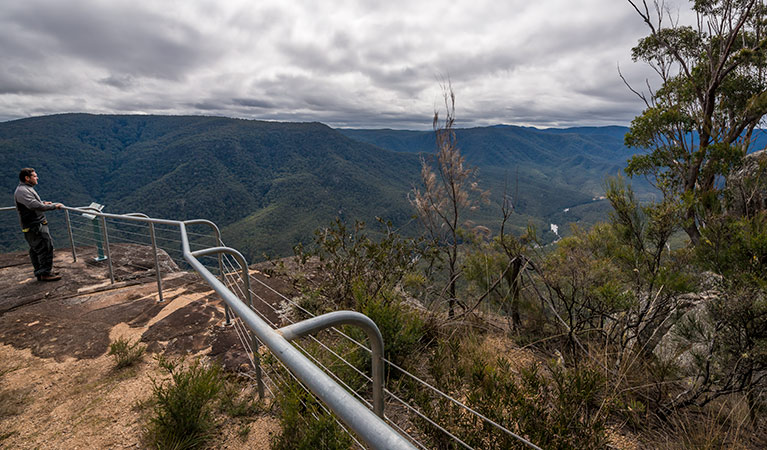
(233, 265)
(368, 425)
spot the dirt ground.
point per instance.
(58, 386)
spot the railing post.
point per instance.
(257, 363)
(243, 265)
(71, 238)
(227, 314)
(106, 245)
(220, 243)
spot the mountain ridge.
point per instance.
(270, 184)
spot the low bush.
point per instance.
(551, 406)
(236, 401)
(183, 412)
(125, 352)
(402, 329)
(304, 424)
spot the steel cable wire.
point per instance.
(319, 403)
(323, 345)
(467, 408)
(434, 389)
(428, 419)
(311, 394)
(337, 378)
(231, 274)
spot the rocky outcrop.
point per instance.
(77, 316)
(746, 189)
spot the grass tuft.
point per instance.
(126, 353)
(183, 412)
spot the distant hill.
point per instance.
(546, 171)
(270, 184)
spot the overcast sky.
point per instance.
(363, 63)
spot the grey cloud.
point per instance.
(254, 60)
(133, 103)
(16, 80)
(209, 105)
(122, 39)
(253, 103)
(119, 81)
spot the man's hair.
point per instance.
(26, 172)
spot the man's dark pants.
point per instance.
(40, 249)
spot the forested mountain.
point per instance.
(270, 184)
(545, 171)
(267, 184)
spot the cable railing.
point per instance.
(392, 398)
(363, 424)
(246, 311)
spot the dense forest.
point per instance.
(269, 184)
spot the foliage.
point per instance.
(183, 412)
(700, 122)
(559, 408)
(349, 259)
(234, 401)
(126, 353)
(304, 424)
(714, 428)
(449, 190)
(497, 268)
(620, 281)
(727, 340)
(403, 330)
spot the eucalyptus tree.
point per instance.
(700, 121)
(449, 191)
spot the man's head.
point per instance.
(28, 175)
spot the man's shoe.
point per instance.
(49, 277)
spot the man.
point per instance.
(35, 226)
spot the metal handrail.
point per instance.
(371, 428)
(331, 319)
(240, 260)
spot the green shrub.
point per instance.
(556, 408)
(125, 352)
(304, 424)
(402, 330)
(182, 416)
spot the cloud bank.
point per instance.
(346, 63)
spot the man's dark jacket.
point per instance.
(30, 206)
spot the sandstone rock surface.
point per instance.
(57, 385)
